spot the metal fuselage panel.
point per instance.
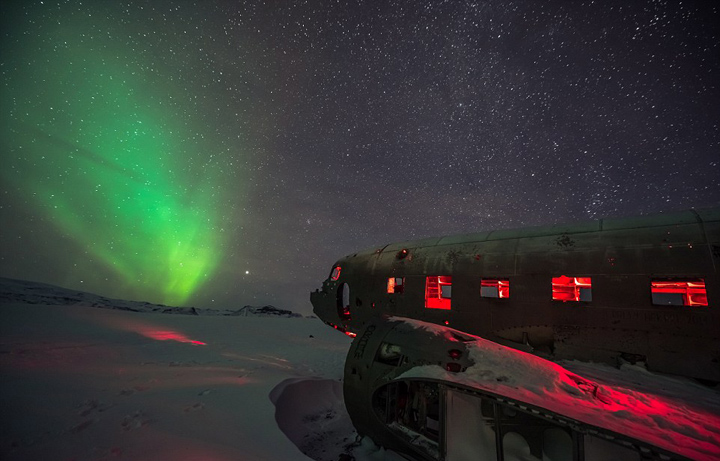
(423, 354)
(621, 256)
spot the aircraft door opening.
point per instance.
(343, 301)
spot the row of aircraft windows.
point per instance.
(438, 290)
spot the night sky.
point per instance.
(223, 153)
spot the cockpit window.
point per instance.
(335, 273)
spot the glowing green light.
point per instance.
(99, 145)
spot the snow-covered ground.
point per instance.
(84, 377)
(84, 383)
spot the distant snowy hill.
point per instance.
(90, 378)
(25, 292)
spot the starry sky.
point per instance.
(223, 153)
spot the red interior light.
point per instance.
(335, 273)
(453, 367)
(679, 292)
(345, 313)
(438, 292)
(571, 288)
(395, 285)
(455, 353)
(495, 288)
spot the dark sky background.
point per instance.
(223, 153)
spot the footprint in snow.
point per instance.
(195, 407)
(92, 405)
(81, 427)
(133, 390)
(135, 421)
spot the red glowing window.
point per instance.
(571, 288)
(335, 273)
(679, 292)
(495, 288)
(395, 285)
(438, 291)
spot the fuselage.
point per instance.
(638, 289)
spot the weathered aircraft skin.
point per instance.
(431, 392)
(616, 319)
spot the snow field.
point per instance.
(81, 383)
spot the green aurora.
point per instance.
(93, 140)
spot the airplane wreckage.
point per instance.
(462, 343)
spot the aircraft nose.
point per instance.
(322, 305)
(332, 307)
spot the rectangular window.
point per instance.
(571, 288)
(438, 291)
(495, 288)
(395, 285)
(679, 292)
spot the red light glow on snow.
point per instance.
(149, 330)
(647, 412)
(169, 335)
(342, 330)
(693, 291)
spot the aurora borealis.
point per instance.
(221, 153)
(100, 151)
